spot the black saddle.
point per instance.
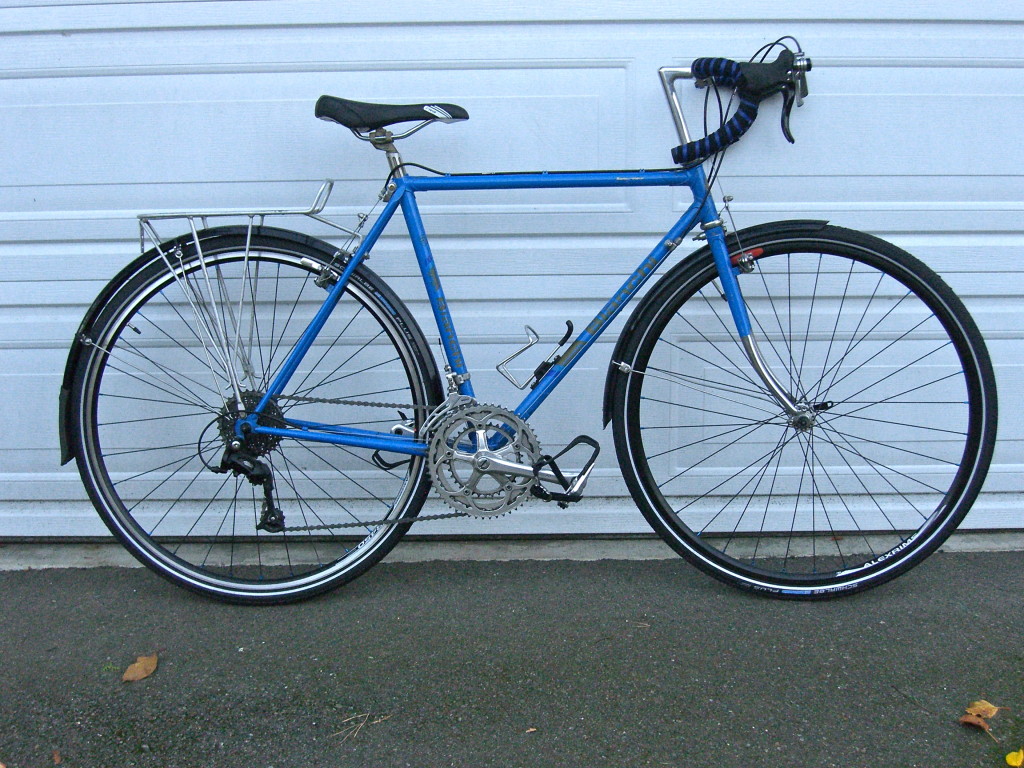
(362, 116)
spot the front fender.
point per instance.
(749, 237)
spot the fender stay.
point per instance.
(136, 266)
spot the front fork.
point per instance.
(727, 272)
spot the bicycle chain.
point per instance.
(362, 524)
(332, 526)
(342, 401)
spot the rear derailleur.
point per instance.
(241, 462)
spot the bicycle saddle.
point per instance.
(362, 116)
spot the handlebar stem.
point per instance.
(669, 75)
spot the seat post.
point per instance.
(383, 140)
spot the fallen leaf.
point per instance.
(1016, 759)
(977, 722)
(56, 758)
(531, 730)
(143, 667)
(983, 709)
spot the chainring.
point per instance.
(471, 433)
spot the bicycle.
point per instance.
(258, 417)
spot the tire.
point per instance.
(151, 398)
(897, 434)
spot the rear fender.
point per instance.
(80, 342)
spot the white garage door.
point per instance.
(913, 132)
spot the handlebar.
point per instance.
(754, 82)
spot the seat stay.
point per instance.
(311, 332)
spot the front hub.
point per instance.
(802, 421)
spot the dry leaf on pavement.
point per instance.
(143, 667)
(983, 709)
(1016, 759)
(977, 722)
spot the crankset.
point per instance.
(485, 461)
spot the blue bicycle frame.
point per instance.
(702, 210)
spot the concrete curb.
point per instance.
(17, 556)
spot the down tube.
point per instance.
(608, 313)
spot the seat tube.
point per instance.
(438, 303)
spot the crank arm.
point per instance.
(486, 461)
(492, 463)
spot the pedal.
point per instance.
(572, 487)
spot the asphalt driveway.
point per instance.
(528, 663)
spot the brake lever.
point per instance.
(794, 91)
(801, 84)
(788, 97)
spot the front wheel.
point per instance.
(897, 422)
(189, 338)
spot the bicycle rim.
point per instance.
(179, 341)
(898, 417)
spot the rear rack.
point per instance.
(148, 233)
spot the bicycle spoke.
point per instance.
(181, 346)
(724, 414)
(327, 348)
(774, 455)
(735, 369)
(698, 384)
(709, 438)
(888, 468)
(722, 484)
(870, 347)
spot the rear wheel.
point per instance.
(190, 338)
(889, 451)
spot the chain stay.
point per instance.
(359, 524)
(440, 412)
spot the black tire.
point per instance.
(891, 452)
(150, 398)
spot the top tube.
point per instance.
(681, 177)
